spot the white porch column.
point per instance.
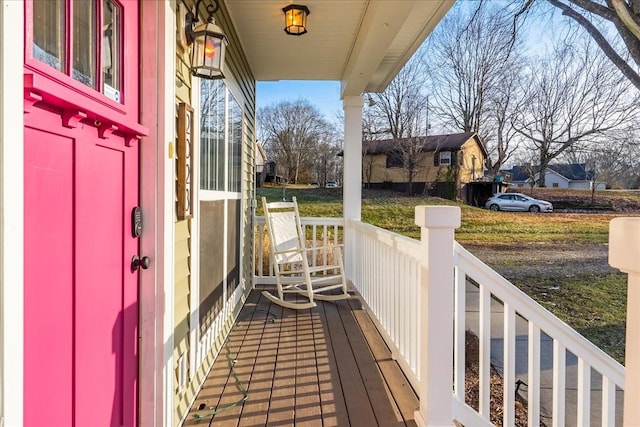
(437, 225)
(11, 213)
(352, 173)
(624, 254)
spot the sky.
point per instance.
(324, 95)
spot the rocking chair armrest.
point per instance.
(302, 250)
(291, 251)
(316, 248)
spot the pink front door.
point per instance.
(81, 184)
(81, 308)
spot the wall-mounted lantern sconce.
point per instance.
(295, 19)
(209, 44)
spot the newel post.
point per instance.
(624, 254)
(437, 225)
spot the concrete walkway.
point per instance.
(546, 365)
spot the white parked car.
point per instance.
(331, 184)
(517, 202)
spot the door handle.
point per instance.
(137, 262)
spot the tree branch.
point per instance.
(598, 9)
(608, 50)
(627, 19)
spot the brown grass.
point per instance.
(472, 385)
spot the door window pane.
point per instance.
(48, 33)
(111, 50)
(84, 42)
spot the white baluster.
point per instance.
(485, 351)
(459, 333)
(608, 402)
(584, 393)
(509, 361)
(533, 389)
(559, 381)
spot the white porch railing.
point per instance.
(568, 381)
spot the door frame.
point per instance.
(12, 213)
(157, 113)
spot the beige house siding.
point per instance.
(182, 250)
(245, 87)
(471, 170)
(239, 80)
(375, 170)
(426, 171)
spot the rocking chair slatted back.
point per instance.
(287, 236)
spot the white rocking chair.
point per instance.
(291, 260)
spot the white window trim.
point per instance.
(445, 160)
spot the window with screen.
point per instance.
(235, 145)
(212, 139)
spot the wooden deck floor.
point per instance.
(326, 366)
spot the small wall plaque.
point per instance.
(185, 161)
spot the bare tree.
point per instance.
(326, 161)
(573, 96)
(504, 103)
(614, 159)
(397, 113)
(613, 24)
(475, 75)
(292, 131)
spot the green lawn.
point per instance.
(479, 226)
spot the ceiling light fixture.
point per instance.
(295, 19)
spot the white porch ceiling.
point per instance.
(361, 43)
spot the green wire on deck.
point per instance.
(245, 394)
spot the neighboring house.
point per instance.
(570, 175)
(127, 235)
(271, 173)
(261, 160)
(453, 158)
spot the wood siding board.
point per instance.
(182, 230)
(181, 315)
(181, 293)
(181, 272)
(182, 248)
(182, 251)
